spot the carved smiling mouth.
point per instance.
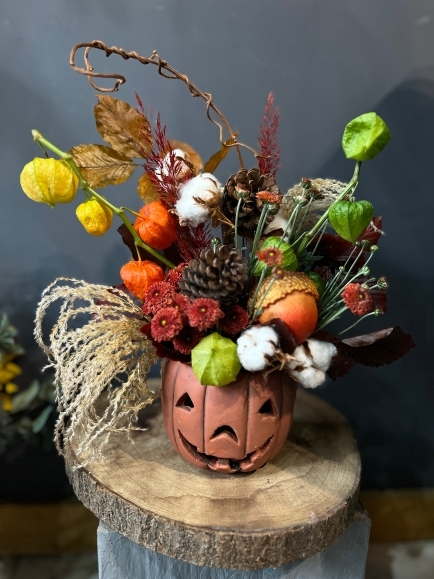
(227, 465)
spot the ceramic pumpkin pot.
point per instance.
(234, 428)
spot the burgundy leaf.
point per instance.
(342, 362)
(286, 339)
(379, 348)
(373, 232)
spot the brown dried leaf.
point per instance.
(193, 156)
(212, 164)
(126, 129)
(146, 190)
(101, 165)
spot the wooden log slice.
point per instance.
(292, 508)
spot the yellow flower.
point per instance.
(8, 371)
(6, 401)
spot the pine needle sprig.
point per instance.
(269, 162)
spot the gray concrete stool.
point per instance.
(164, 518)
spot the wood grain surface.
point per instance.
(292, 508)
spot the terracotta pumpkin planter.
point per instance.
(235, 428)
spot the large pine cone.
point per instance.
(251, 181)
(220, 275)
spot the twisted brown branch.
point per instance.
(164, 70)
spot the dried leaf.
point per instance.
(212, 164)
(146, 189)
(128, 239)
(286, 339)
(102, 166)
(379, 348)
(342, 362)
(193, 156)
(374, 349)
(126, 129)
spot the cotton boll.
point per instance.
(322, 353)
(302, 358)
(309, 377)
(176, 156)
(204, 187)
(255, 345)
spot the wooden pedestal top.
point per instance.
(292, 508)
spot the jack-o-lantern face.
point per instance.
(235, 428)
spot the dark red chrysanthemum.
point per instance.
(174, 275)
(235, 320)
(278, 272)
(269, 197)
(357, 299)
(271, 256)
(166, 323)
(181, 303)
(203, 313)
(187, 339)
(159, 295)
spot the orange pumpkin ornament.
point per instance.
(156, 226)
(138, 276)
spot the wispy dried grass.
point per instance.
(106, 357)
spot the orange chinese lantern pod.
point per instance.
(138, 276)
(156, 226)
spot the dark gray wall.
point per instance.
(327, 62)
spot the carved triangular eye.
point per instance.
(185, 402)
(267, 408)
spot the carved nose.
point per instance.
(225, 429)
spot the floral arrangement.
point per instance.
(223, 276)
(24, 412)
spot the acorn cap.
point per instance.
(292, 281)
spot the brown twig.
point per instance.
(164, 70)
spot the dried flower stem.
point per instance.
(119, 211)
(164, 70)
(309, 235)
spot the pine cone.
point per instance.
(251, 181)
(220, 275)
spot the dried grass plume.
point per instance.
(104, 358)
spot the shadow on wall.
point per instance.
(391, 408)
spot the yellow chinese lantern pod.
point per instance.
(49, 181)
(95, 217)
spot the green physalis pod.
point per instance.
(364, 137)
(215, 360)
(49, 181)
(350, 219)
(289, 259)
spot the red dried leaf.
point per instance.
(334, 248)
(343, 361)
(128, 239)
(286, 339)
(379, 348)
(270, 162)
